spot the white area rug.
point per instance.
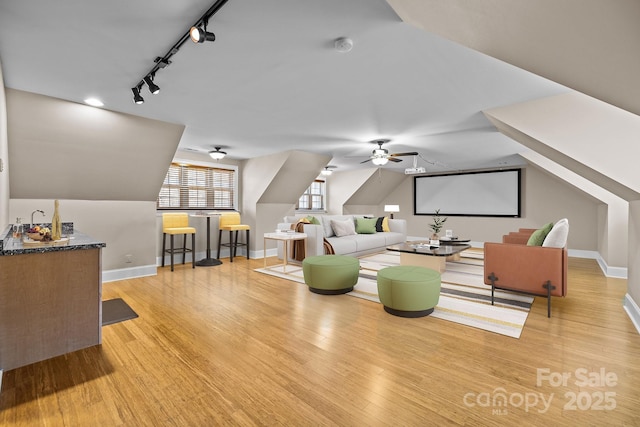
(464, 298)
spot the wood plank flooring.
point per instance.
(228, 346)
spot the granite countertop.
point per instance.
(77, 241)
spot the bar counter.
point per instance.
(50, 298)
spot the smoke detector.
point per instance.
(343, 44)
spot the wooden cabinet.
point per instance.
(50, 303)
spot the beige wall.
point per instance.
(4, 156)
(634, 251)
(545, 199)
(128, 228)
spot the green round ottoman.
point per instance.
(330, 274)
(409, 291)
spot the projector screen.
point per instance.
(494, 193)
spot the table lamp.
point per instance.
(391, 209)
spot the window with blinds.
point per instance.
(197, 187)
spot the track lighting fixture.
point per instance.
(137, 98)
(201, 35)
(153, 88)
(217, 155)
(198, 33)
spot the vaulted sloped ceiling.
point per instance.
(588, 45)
(64, 150)
(281, 178)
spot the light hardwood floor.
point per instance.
(229, 346)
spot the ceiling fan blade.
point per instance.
(393, 159)
(368, 160)
(403, 154)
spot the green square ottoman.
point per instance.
(330, 274)
(409, 291)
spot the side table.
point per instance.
(285, 237)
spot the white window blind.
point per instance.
(197, 187)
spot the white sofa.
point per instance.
(353, 245)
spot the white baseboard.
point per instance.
(0, 380)
(609, 271)
(260, 254)
(129, 273)
(632, 310)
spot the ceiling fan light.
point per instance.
(217, 155)
(379, 161)
(326, 172)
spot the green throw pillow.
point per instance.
(538, 236)
(366, 225)
(313, 220)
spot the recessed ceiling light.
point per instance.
(94, 102)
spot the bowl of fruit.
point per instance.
(39, 233)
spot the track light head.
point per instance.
(137, 98)
(153, 88)
(200, 35)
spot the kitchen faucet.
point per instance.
(37, 210)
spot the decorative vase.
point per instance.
(56, 224)
(435, 240)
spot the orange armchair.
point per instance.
(536, 270)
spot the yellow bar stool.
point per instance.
(178, 223)
(231, 222)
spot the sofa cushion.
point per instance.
(326, 223)
(538, 236)
(313, 220)
(370, 242)
(365, 225)
(392, 238)
(343, 228)
(385, 224)
(557, 237)
(343, 245)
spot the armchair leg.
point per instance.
(549, 287)
(493, 279)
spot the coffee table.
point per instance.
(424, 255)
(454, 241)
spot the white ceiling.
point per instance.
(272, 80)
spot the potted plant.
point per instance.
(437, 225)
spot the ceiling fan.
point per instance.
(380, 156)
(215, 154)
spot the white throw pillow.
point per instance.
(557, 237)
(343, 228)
